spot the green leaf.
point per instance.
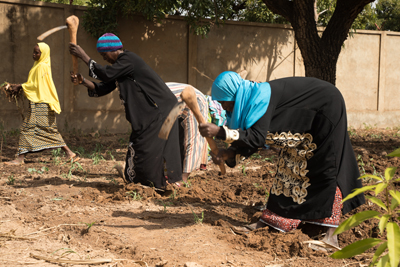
(395, 153)
(397, 180)
(371, 176)
(359, 191)
(356, 248)
(393, 237)
(384, 261)
(395, 195)
(378, 252)
(377, 201)
(394, 204)
(380, 187)
(383, 222)
(389, 173)
(355, 220)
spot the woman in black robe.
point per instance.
(306, 119)
(147, 101)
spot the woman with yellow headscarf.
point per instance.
(39, 130)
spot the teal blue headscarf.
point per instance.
(251, 98)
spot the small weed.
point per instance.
(197, 219)
(376, 136)
(41, 171)
(89, 225)
(73, 166)
(96, 155)
(257, 186)
(173, 196)
(123, 142)
(114, 182)
(11, 180)
(270, 159)
(266, 195)
(187, 184)
(110, 154)
(135, 195)
(361, 164)
(13, 132)
(244, 169)
(255, 156)
(165, 204)
(368, 126)
(56, 152)
(351, 131)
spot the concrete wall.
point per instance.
(367, 73)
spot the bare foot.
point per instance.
(14, 162)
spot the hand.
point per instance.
(223, 154)
(77, 51)
(15, 88)
(76, 78)
(208, 129)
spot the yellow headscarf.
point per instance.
(40, 86)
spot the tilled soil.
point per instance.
(60, 210)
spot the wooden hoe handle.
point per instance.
(73, 23)
(188, 95)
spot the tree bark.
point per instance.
(320, 50)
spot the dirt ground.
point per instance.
(54, 209)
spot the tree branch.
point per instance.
(281, 7)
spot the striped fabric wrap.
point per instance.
(195, 145)
(108, 42)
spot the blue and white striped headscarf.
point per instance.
(251, 98)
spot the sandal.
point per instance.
(74, 158)
(244, 230)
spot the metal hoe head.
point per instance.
(170, 120)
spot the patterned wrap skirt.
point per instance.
(39, 130)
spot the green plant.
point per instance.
(187, 184)
(255, 156)
(244, 169)
(113, 181)
(197, 219)
(11, 180)
(173, 195)
(368, 126)
(135, 195)
(89, 225)
(270, 159)
(41, 171)
(388, 251)
(110, 154)
(351, 131)
(257, 186)
(165, 204)
(361, 164)
(96, 155)
(266, 195)
(73, 166)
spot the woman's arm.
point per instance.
(94, 89)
